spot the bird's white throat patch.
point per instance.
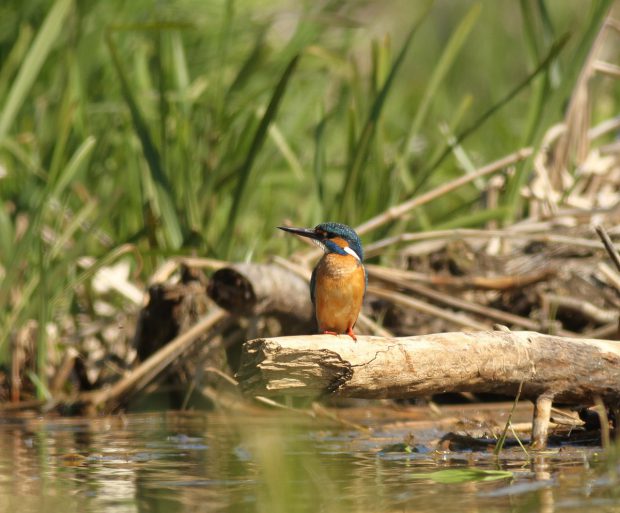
(348, 250)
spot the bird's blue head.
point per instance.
(333, 238)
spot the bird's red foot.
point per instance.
(351, 334)
(327, 332)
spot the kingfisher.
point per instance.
(338, 282)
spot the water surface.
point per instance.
(281, 462)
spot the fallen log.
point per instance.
(552, 369)
(250, 289)
(255, 289)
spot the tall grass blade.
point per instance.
(43, 392)
(502, 439)
(255, 146)
(360, 154)
(42, 323)
(181, 73)
(15, 58)
(76, 223)
(319, 165)
(251, 65)
(164, 204)
(14, 317)
(541, 87)
(7, 237)
(551, 55)
(447, 59)
(279, 139)
(30, 240)
(40, 49)
(78, 161)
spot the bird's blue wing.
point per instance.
(313, 284)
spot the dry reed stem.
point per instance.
(575, 140)
(155, 364)
(459, 319)
(611, 276)
(587, 309)
(607, 68)
(398, 211)
(470, 233)
(604, 127)
(478, 282)
(455, 302)
(169, 267)
(609, 246)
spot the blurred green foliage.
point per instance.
(191, 126)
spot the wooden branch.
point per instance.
(397, 278)
(255, 289)
(465, 282)
(609, 245)
(540, 424)
(148, 370)
(457, 318)
(570, 370)
(575, 370)
(586, 308)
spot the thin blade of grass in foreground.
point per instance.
(502, 439)
(463, 475)
(319, 164)
(257, 143)
(43, 319)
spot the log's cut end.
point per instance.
(306, 371)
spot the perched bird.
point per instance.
(338, 282)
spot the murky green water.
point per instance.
(273, 462)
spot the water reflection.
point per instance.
(271, 462)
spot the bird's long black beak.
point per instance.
(303, 232)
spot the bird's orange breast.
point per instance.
(339, 292)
